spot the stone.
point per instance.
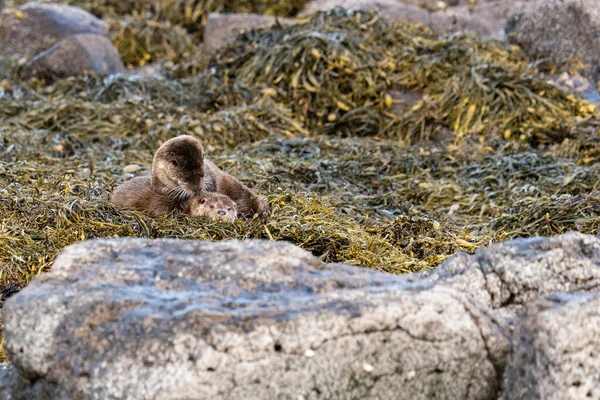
(223, 27)
(164, 319)
(556, 350)
(507, 276)
(562, 29)
(35, 27)
(74, 55)
(392, 10)
(486, 20)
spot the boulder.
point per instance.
(34, 27)
(561, 29)
(507, 276)
(223, 27)
(165, 319)
(392, 10)
(556, 350)
(74, 55)
(487, 20)
(162, 319)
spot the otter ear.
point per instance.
(202, 200)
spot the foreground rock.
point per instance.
(556, 351)
(560, 29)
(172, 319)
(58, 40)
(222, 27)
(164, 319)
(506, 276)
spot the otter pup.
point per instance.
(248, 203)
(180, 172)
(177, 175)
(214, 205)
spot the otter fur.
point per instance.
(179, 172)
(217, 207)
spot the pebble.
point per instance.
(368, 367)
(131, 168)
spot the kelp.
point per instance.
(483, 149)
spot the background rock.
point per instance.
(34, 27)
(562, 30)
(556, 351)
(75, 54)
(222, 27)
(171, 319)
(393, 10)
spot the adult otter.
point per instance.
(177, 175)
(179, 172)
(214, 205)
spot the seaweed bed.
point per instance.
(386, 146)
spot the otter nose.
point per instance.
(221, 212)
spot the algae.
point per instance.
(308, 115)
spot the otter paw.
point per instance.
(263, 210)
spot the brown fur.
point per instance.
(214, 205)
(248, 202)
(179, 173)
(137, 194)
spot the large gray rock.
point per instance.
(562, 29)
(223, 27)
(163, 319)
(74, 55)
(556, 351)
(507, 276)
(171, 319)
(34, 27)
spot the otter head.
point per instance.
(178, 168)
(216, 206)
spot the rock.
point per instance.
(509, 275)
(487, 20)
(165, 319)
(392, 10)
(222, 27)
(556, 351)
(34, 27)
(577, 85)
(560, 29)
(74, 55)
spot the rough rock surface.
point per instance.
(392, 10)
(556, 352)
(487, 20)
(34, 27)
(164, 319)
(561, 28)
(508, 275)
(75, 54)
(222, 27)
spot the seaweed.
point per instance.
(481, 149)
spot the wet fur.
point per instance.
(180, 172)
(210, 205)
(137, 194)
(248, 202)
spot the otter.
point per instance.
(177, 175)
(248, 203)
(180, 172)
(214, 205)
